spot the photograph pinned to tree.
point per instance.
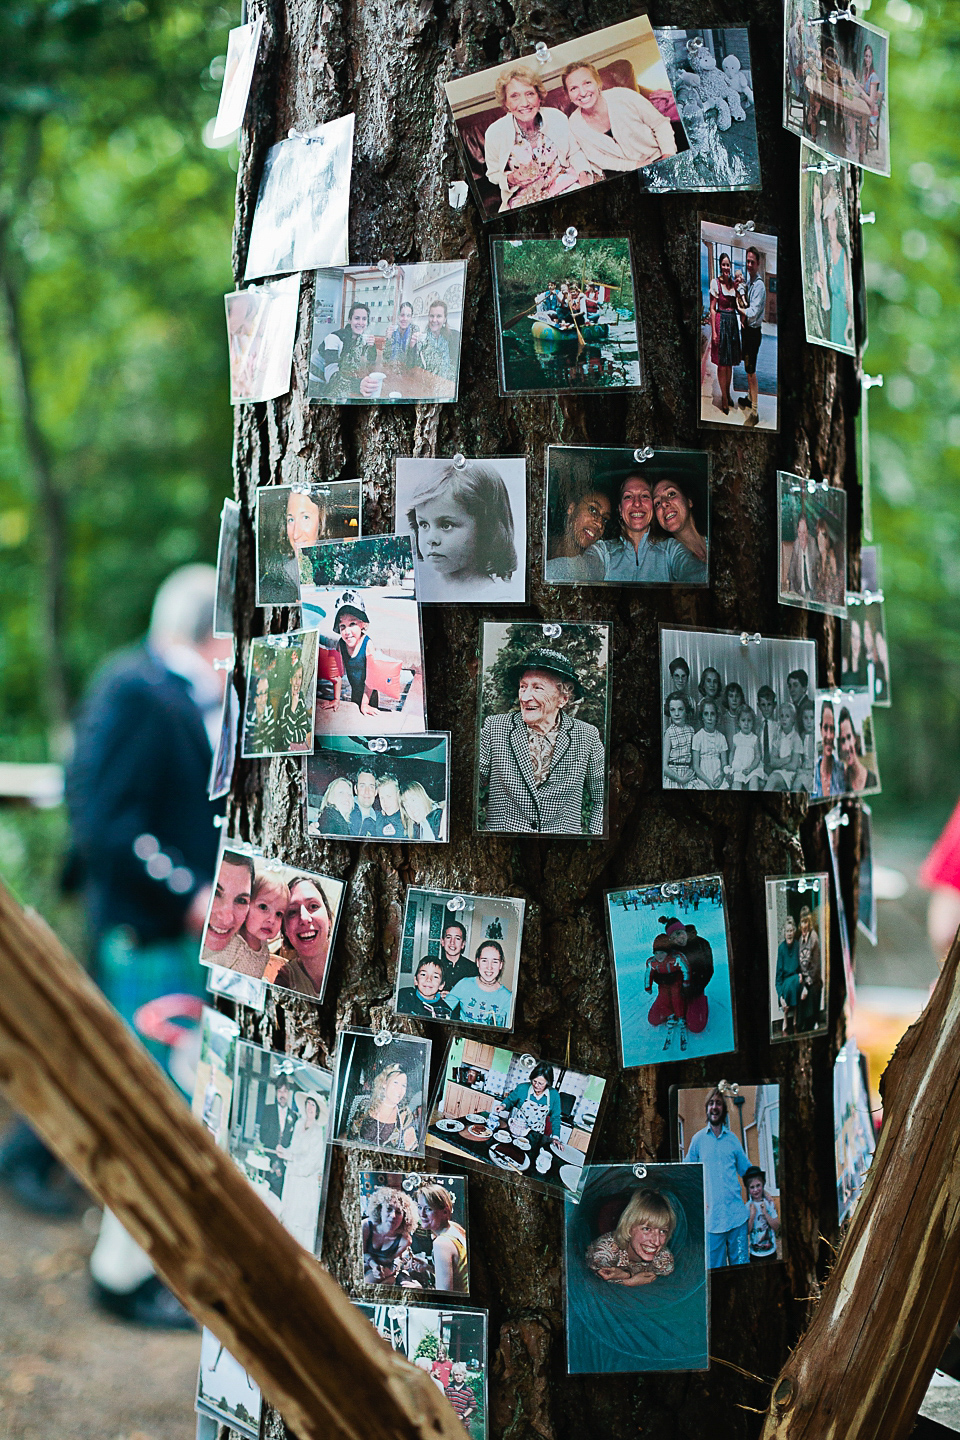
(387, 334)
(566, 318)
(225, 1391)
(738, 711)
(712, 78)
(612, 518)
(430, 1339)
(226, 569)
(300, 221)
(510, 1113)
(459, 957)
(403, 779)
(635, 1270)
(826, 251)
(543, 723)
(242, 46)
(672, 971)
(864, 656)
(468, 521)
(846, 757)
(854, 1137)
(213, 1083)
(281, 692)
(413, 1231)
(261, 329)
(381, 1091)
(739, 344)
(551, 123)
(866, 892)
(798, 954)
(221, 770)
(813, 544)
(835, 85)
(289, 519)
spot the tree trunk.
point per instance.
(387, 61)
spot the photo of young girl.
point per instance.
(798, 946)
(459, 957)
(413, 1231)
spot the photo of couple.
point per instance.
(291, 518)
(798, 941)
(738, 332)
(835, 85)
(281, 689)
(459, 957)
(813, 545)
(846, 748)
(383, 788)
(413, 1231)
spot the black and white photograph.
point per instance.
(617, 516)
(459, 955)
(291, 518)
(381, 1098)
(543, 720)
(450, 1345)
(846, 756)
(854, 1137)
(712, 78)
(300, 221)
(388, 336)
(261, 328)
(221, 770)
(866, 893)
(225, 1391)
(826, 252)
(565, 319)
(401, 781)
(226, 569)
(468, 523)
(242, 46)
(835, 85)
(281, 691)
(514, 1114)
(739, 343)
(360, 598)
(278, 1137)
(636, 1227)
(414, 1231)
(864, 657)
(813, 545)
(213, 1083)
(798, 954)
(738, 711)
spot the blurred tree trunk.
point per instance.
(387, 61)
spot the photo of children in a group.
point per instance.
(213, 1085)
(242, 45)
(466, 521)
(671, 970)
(387, 338)
(381, 1092)
(514, 1114)
(798, 945)
(360, 598)
(595, 108)
(738, 328)
(813, 545)
(261, 326)
(302, 209)
(385, 789)
(835, 86)
(291, 518)
(459, 957)
(226, 569)
(734, 1133)
(224, 1389)
(281, 1116)
(826, 252)
(565, 319)
(271, 922)
(543, 721)
(846, 758)
(612, 519)
(864, 657)
(413, 1231)
(450, 1345)
(854, 1137)
(635, 1270)
(738, 711)
(712, 79)
(281, 692)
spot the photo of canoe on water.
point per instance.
(566, 318)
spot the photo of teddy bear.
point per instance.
(712, 81)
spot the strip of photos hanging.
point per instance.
(712, 78)
(854, 1137)
(503, 1111)
(813, 545)
(300, 221)
(213, 1084)
(738, 711)
(261, 329)
(242, 46)
(226, 569)
(289, 519)
(412, 1231)
(430, 1338)
(739, 339)
(225, 1392)
(636, 1226)
(409, 773)
(672, 970)
(459, 954)
(846, 754)
(836, 85)
(625, 515)
(732, 1130)
(826, 250)
(380, 1091)
(281, 692)
(866, 892)
(798, 954)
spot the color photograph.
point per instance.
(213, 1085)
(400, 783)
(381, 1092)
(281, 690)
(302, 209)
(712, 77)
(813, 545)
(826, 252)
(291, 518)
(261, 329)
(738, 327)
(864, 656)
(450, 1345)
(798, 953)
(225, 1390)
(836, 80)
(846, 758)
(413, 1231)
(459, 958)
(242, 46)
(854, 1136)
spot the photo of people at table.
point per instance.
(813, 545)
(291, 518)
(826, 252)
(459, 957)
(514, 1114)
(836, 85)
(846, 756)
(261, 326)
(798, 953)
(381, 1092)
(281, 691)
(387, 337)
(449, 1345)
(302, 210)
(739, 346)
(413, 1231)
(392, 788)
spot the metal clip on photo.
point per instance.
(694, 44)
(813, 485)
(569, 237)
(542, 52)
(640, 1171)
(854, 597)
(223, 664)
(743, 226)
(747, 639)
(646, 453)
(803, 885)
(835, 818)
(671, 888)
(832, 16)
(870, 597)
(551, 632)
(727, 1087)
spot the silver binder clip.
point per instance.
(223, 664)
(640, 1171)
(383, 1037)
(694, 44)
(672, 888)
(814, 485)
(823, 168)
(646, 453)
(456, 902)
(727, 1087)
(551, 632)
(742, 227)
(836, 817)
(378, 744)
(569, 237)
(854, 597)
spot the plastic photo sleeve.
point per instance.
(798, 954)
(836, 85)
(459, 956)
(388, 334)
(515, 1115)
(826, 251)
(380, 1091)
(213, 1086)
(733, 1131)
(409, 776)
(626, 516)
(566, 318)
(854, 1136)
(281, 692)
(450, 1345)
(288, 519)
(836, 820)
(738, 331)
(738, 711)
(225, 1391)
(543, 719)
(241, 989)
(301, 217)
(813, 544)
(281, 1120)
(467, 520)
(672, 978)
(711, 76)
(226, 569)
(846, 757)
(261, 328)
(242, 45)
(412, 1231)
(867, 895)
(635, 1270)
(221, 770)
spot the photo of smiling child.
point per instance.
(459, 957)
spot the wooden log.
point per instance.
(893, 1297)
(72, 1067)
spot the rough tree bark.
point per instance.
(387, 61)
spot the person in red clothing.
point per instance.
(940, 873)
(461, 1395)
